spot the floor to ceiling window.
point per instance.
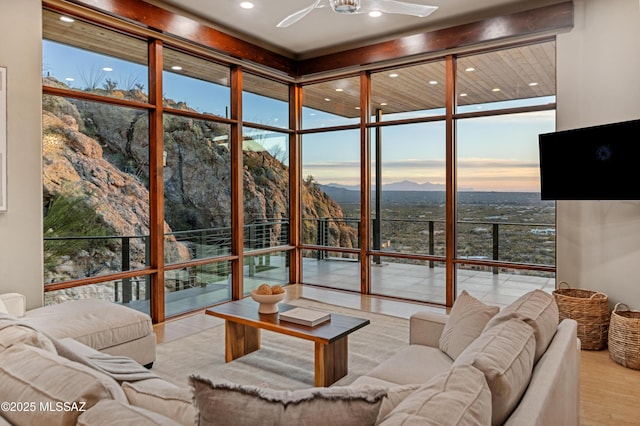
(95, 162)
(151, 144)
(505, 233)
(408, 170)
(266, 154)
(330, 189)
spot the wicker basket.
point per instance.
(624, 337)
(590, 309)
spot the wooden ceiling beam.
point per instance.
(537, 21)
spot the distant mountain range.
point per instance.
(405, 185)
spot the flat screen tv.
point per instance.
(591, 163)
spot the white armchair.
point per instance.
(102, 325)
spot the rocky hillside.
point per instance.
(96, 158)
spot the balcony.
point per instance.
(194, 287)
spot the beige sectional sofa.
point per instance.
(475, 366)
(531, 363)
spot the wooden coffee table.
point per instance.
(242, 335)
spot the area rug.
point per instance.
(283, 362)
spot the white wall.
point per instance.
(21, 226)
(598, 78)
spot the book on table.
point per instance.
(304, 316)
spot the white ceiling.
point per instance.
(324, 31)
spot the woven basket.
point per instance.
(624, 337)
(590, 309)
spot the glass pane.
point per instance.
(266, 189)
(270, 268)
(408, 212)
(196, 84)
(507, 78)
(196, 287)
(95, 188)
(132, 292)
(331, 103)
(502, 287)
(197, 189)
(500, 214)
(265, 101)
(331, 269)
(409, 278)
(331, 171)
(411, 92)
(85, 57)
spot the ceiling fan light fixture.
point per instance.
(345, 6)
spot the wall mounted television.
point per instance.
(591, 163)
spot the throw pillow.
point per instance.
(13, 333)
(228, 403)
(3, 308)
(32, 375)
(466, 321)
(504, 354)
(456, 397)
(538, 309)
(162, 397)
(109, 412)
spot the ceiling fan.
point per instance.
(361, 6)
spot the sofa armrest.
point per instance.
(425, 328)
(16, 303)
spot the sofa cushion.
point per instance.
(96, 323)
(13, 333)
(456, 397)
(413, 364)
(395, 395)
(34, 375)
(227, 403)
(466, 321)
(538, 309)
(505, 354)
(110, 412)
(162, 397)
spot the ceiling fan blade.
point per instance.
(295, 17)
(399, 7)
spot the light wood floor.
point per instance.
(609, 393)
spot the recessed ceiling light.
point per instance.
(246, 5)
(67, 19)
(375, 13)
(463, 94)
(433, 82)
(469, 69)
(533, 83)
(327, 99)
(495, 89)
(393, 75)
(383, 103)
(107, 69)
(357, 107)
(339, 90)
(176, 67)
